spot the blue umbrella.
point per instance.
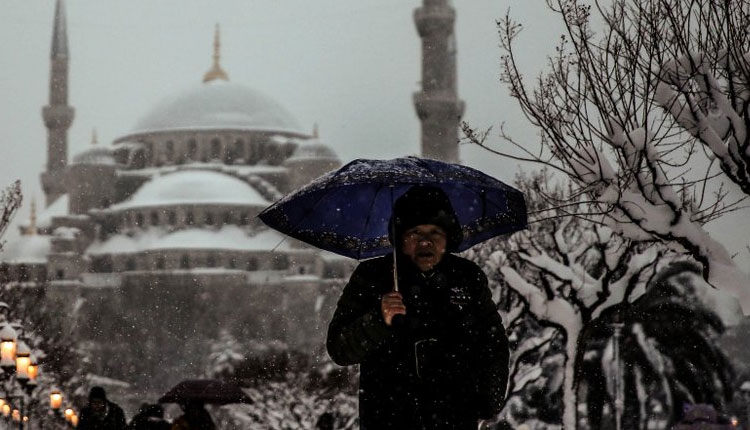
(347, 210)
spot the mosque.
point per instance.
(152, 245)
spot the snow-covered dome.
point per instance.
(95, 155)
(314, 149)
(28, 249)
(218, 105)
(201, 187)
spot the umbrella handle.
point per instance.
(393, 235)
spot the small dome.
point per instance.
(95, 155)
(196, 187)
(313, 149)
(31, 249)
(218, 105)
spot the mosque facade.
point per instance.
(152, 244)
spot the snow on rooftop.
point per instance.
(28, 249)
(217, 106)
(95, 155)
(227, 238)
(194, 187)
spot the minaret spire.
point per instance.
(32, 229)
(437, 104)
(216, 71)
(57, 114)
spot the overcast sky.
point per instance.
(350, 66)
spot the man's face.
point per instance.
(98, 407)
(424, 245)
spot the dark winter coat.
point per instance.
(444, 367)
(113, 420)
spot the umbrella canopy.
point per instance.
(205, 391)
(347, 211)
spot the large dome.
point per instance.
(218, 105)
(196, 187)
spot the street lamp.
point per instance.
(8, 337)
(23, 360)
(55, 400)
(69, 414)
(33, 370)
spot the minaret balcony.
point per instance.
(434, 20)
(57, 116)
(440, 103)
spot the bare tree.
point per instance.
(649, 118)
(10, 201)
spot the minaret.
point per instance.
(57, 114)
(438, 106)
(31, 229)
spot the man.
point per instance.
(444, 365)
(100, 413)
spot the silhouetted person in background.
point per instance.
(194, 417)
(100, 413)
(149, 417)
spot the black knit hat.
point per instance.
(97, 393)
(425, 204)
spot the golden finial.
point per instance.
(31, 229)
(94, 137)
(216, 71)
(315, 131)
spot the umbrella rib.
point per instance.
(367, 220)
(425, 166)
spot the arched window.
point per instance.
(160, 262)
(184, 261)
(149, 151)
(192, 149)
(232, 263)
(139, 159)
(189, 218)
(102, 264)
(23, 273)
(154, 218)
(251, 155)
(60, 274)
(239, 148)
(208, 219)
(280, 262)
(139, 219)
(252, 264)
(169, 147)
(215, 149)
(227, 218)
